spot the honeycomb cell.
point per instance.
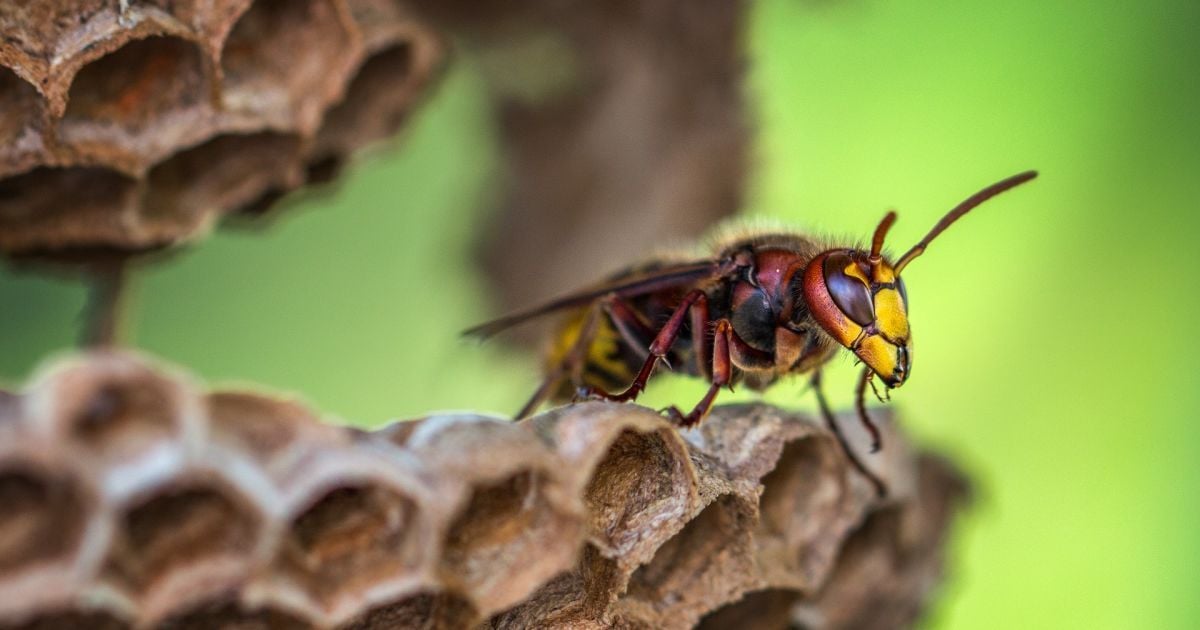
(507, 541)
(51, 209)
(376, 103)
(570, 599)
(117, 415)
(642, 479)
(807, 480)
(349, 540)
(285, 60)
(709, 562)
(42, 520)
(138, 104)
(223, 173)
(271, 431)
(184, 542)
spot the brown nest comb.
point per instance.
(130, 125)
(133, 498)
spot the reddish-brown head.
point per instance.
(859, 299)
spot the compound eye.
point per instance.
(903, 292)
(850, 294)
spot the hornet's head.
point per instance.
(863, 305)
(859, 299)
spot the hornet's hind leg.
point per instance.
(631, 330)
(571, 364)
(695, 302)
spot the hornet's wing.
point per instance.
(666, 277)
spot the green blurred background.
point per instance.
(1054, 355)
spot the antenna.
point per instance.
(877, 241)
(959, 210)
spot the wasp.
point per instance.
(762, 306)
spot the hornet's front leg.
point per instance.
(831, 422)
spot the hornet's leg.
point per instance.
(831, 422)
(861, 404)
(634, 331)
(658, 349)
(571, 364)
(722, 373)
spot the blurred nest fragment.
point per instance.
(134, 498)
(622, 130)
(131, 126)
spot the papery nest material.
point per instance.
(135, 498)
(131, 126)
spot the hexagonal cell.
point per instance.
(182, 543)
(376, 104)
(868, 589)
(285, 60)
(138, 104)
(20, 116)
(806, 509)
(424, 611)
(43, 519)
(113, 409)
(50, 209)
(579, 597)
(641, 481)
(507, 541)
(758, 610)
(226, 172)
(348, 540)
(230, 615)
(709, 562)
(272, 432)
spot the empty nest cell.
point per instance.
(42, 520)
(376, 103)
(51, 209)
(223, 173)
(709, 562)
(138, 103)
(802, 510)
(182, 543)
(269, 430)
(285, 60)
(348, 540)
(640, 481)
(507, 541)
(117, 413)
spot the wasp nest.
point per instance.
(130, 125)
(133, 499)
